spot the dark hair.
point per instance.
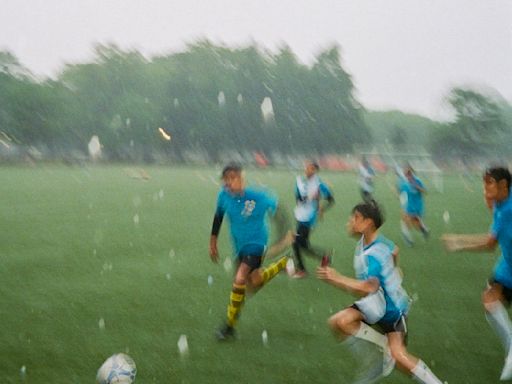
(499, 173)
(314, 164)
(231, 167)
(370, 210)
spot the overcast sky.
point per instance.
(403, 54)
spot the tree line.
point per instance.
(212, 99)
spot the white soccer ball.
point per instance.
(117, 369)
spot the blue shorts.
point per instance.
(414, 211)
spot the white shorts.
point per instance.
(372, 306)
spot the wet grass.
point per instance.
(85, 246)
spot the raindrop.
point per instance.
(183, 345)
(264, 337)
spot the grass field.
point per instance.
(84, 245)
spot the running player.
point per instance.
(498, 293)
(412, 191)
(309, 190)
(366, 176)
(382, 300)
(247, 210)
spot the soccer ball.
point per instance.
(117, 369)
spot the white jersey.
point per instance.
(376, 260)
(366, 176)
(309, 191)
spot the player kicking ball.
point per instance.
(382, 300)
(247, 210)
(498, 293)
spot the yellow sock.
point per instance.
(273, 269)
(236, 300)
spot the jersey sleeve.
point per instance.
(419, 182)
(501, 220)
(325, 191)
(221, 205)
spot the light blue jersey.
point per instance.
(414, 197)
(501, 230)
(376, 261)
(308, 193)
(247, 214)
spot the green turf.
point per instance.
(71, 253)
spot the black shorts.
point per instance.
(399, 325)
(507, 292)
(252, 256)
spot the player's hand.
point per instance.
(320, 213)
(214, 252)
(326, 273)
(452, 243)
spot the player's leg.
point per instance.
(349, 325)
(406, 362)
(494, 297)
(236, 301)
(418, 223)
(301, 243)
(350, 322)
(405, 225)
(258, 277)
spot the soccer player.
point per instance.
(382, 300)
(309, 190)
(247, 210)
(366, 176)
(411, 192)
(498, 293)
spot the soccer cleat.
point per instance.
(225, 333)
(506, 374)
(300, 275)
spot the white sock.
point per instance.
(498, 318)
(365, 332)
(422, 374)
(405, 231)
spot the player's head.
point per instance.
(496, 183)
(233, 178)
(409, 171)
(365, 217)
(310, 168)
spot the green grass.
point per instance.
(62, 228)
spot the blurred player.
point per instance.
(366, 176)
(499, 289)
(411, 190)
(382, 301)
(309, 191)
(247, 210)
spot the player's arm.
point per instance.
(419, 186)
(217, 223)
(355, 287)
(474, 242)
(328, 198)
(285, 235)
(396, 255)
(298, 197)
